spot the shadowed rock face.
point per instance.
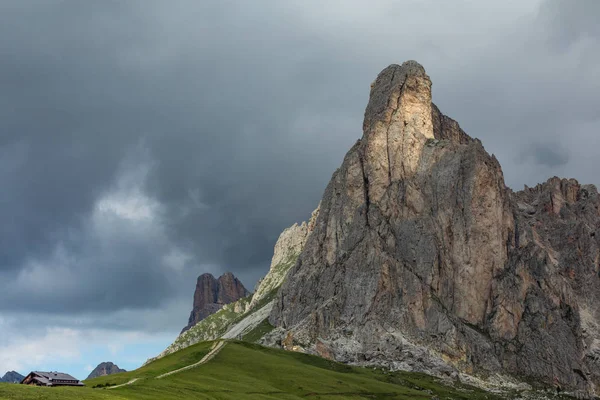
(211, 294)
(105, 368)
(421, 258)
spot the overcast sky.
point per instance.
(144, 142)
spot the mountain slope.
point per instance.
(286, 251)
(247, 371)
(248, 316)
(267, 373)
(105, 368)
(422, 259)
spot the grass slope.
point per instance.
(258, 332)
(211, 327)
(243, 370)
(216, 325)
(275, 276)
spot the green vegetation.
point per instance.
(269, 297)
(213, 326)
(182, 358)
(261, 330)
(243, 370)
(276, 275)
(216, 325)
(11, 391)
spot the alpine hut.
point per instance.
(39, 378)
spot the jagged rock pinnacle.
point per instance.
(421, 258)
(397, 124)
(388, 84)
(211, 294)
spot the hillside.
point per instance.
(247, 317)
(248, 371)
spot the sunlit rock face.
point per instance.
(421, 258)
(289, 245)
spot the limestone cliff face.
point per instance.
(286, 252)
(211, 294)
(422, 259)
(292, 240)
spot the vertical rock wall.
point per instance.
(421, 258)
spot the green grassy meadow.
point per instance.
(242, 370)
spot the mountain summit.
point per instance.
(12, 377)
(422, 259)
(211, 294)
(104, 369)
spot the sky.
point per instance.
(145, 142)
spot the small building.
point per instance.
(39, 378)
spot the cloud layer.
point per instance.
(143, 143)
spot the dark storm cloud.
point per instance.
(549, 156)
(571, 21)
(85, 84)
(63, 117)
(238, 113)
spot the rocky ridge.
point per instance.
(212, 294)
(286, 252)
(105, 368)
(422, 259)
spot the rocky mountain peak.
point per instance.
(390, 85)
(105, 368)
(211, 294)
(12, 377)
(230, 289)
(397, 124)
(422, 259)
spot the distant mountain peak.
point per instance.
(212, 294)
(105, 368)
(12, 377)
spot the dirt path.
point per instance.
(213, 352)
(124, 384)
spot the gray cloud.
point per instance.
(549, 156)
(570, 23)
(544, 154)
(237, 114)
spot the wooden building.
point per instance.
(39, 378)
